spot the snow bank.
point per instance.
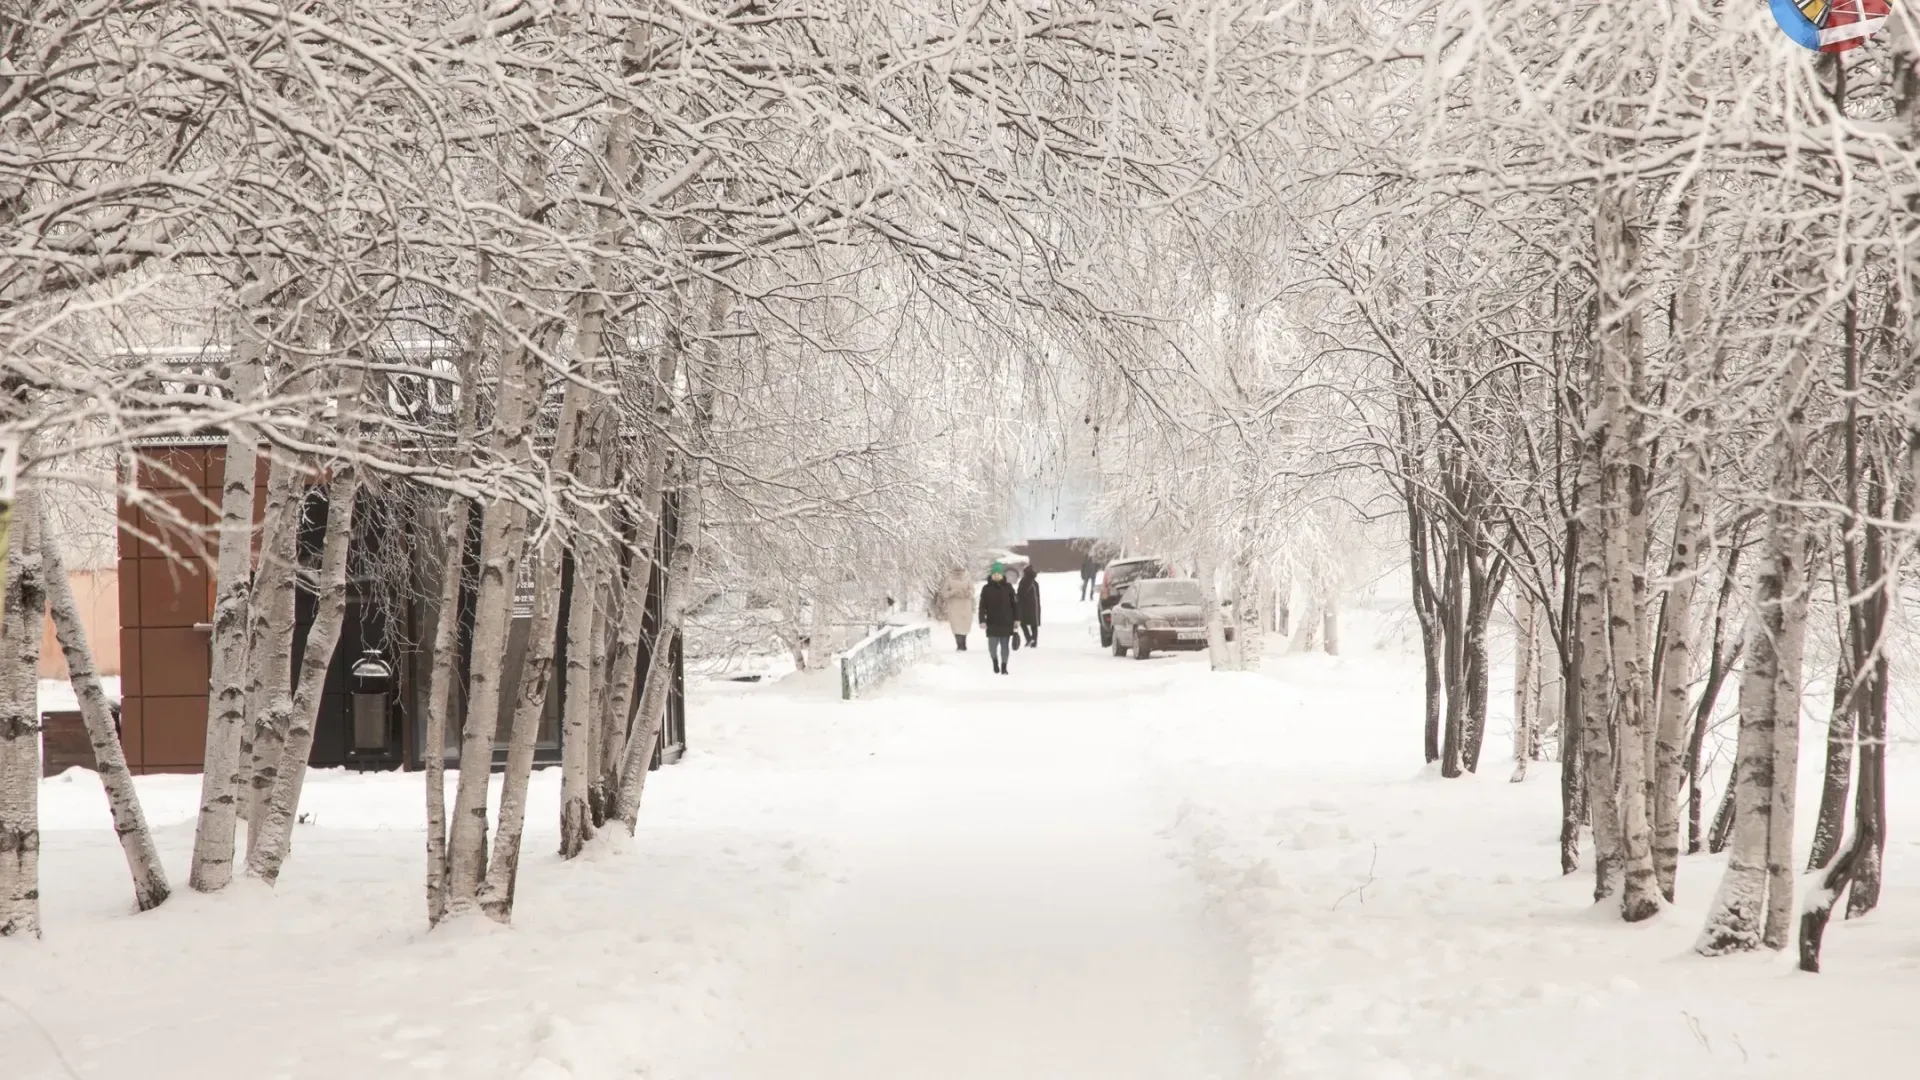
(620, 964)
(1402, 926)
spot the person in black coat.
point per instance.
(998, 616)
(1089, 570)
(1026, 605)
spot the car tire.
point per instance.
(1140, 648)
(1106, 635)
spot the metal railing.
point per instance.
(880, 656)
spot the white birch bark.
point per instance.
(446, 668)
(576, 449)
(578, 719)
(1210, 606)
(1739, 909)
(1526, 684)
(20, 630)
(1754, 906)
(496, 891)
(584, 621)
(1625, 541)
(265, 857)
(150, 887)
(446, 630)
(1782, 867)
(1674, 679)
(522, 386)
(586, 793)
(270, 652)
(1676, 672)
(1596, 685)
(584, 735)
(213, 839)
(503, 529)
(1237, 645)
(637, 755)
(619, 727)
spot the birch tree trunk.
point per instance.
(587, 795)
(1482, 593)
(20, 630)
(495, 895)
(1837, 781)
(575, 447)
(1526, 687)
(619, 726)
(1755, 902)
(1789, 674)
(213, 838)
(266, 857)
(1210, 604)
(503, 528)
(637, 756)
(522, 387)
(1739, 910)
(580, 749)
(1624, 542)
(1676, 671)
(1595, 686)
(270, 652)
(446, 670)
(584, 618)
(446, 630)
(150, 887)
(1330, 625)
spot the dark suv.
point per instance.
(1119, 574)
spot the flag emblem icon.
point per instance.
(1830, 26)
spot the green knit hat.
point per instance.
(998, 568)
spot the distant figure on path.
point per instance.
(956, 603)
(1089, 570)
(997, 616)
(1027, 606)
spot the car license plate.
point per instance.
(1192, 635)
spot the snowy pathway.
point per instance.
(1010, 909)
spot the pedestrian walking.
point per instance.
(956, 603)
(998, 617)
(1026, 605)
(1089, 570)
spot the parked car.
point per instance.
(1160, 615)
(1014, 564)
(1119, 574)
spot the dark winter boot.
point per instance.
(960, 642)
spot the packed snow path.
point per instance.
(1010, 910)
(965, 876)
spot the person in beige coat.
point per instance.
(956, 603)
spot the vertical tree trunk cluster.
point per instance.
(1879, 488)
(213, 838)
(1755, 901)
(1527, 687)
(1457, 579)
